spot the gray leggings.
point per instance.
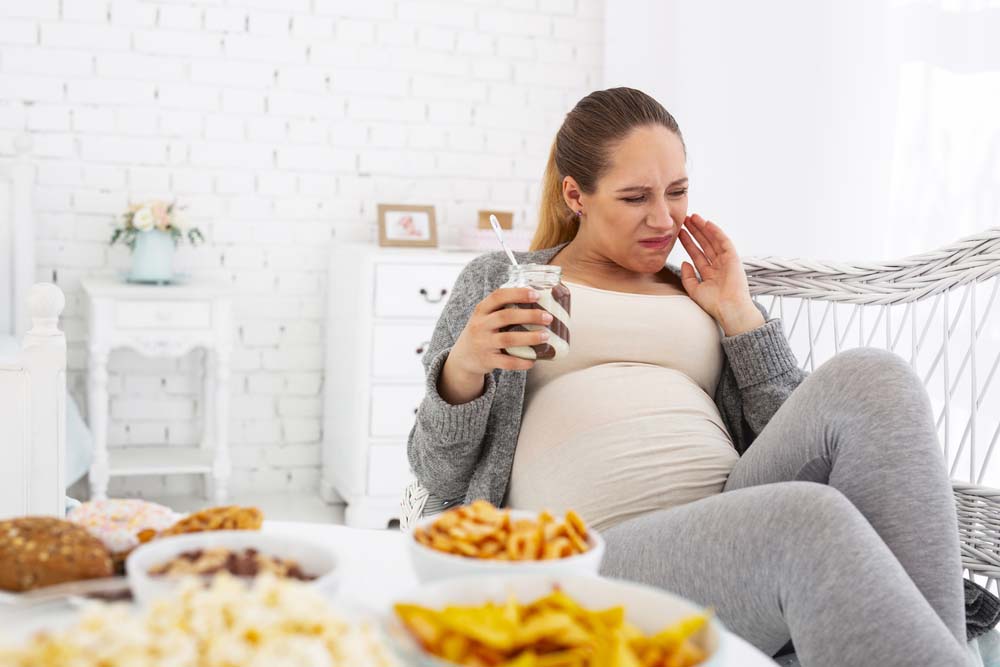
(836, 529)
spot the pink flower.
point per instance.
(160, 215)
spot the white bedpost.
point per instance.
(44, 360)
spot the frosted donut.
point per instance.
(117, 521)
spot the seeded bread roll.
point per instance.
(42, 551)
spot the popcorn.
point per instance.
(273, 622)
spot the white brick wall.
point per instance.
(280, 124)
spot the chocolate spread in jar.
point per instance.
(554, 297)
(556, 301)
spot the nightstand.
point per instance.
(161, 321)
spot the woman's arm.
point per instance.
(446, 439)
(762, 373)
(760, 370)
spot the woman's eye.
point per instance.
(642, 198)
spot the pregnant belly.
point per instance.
(618, 441)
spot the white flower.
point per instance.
(143, 219)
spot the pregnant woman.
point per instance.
(813, 508)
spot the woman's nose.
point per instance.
(662, 221)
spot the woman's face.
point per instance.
(633, 216)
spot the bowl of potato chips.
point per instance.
(543, 619)
(481, 539)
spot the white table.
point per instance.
(161, 321)
(377, 570)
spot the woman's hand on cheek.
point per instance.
(723, 291)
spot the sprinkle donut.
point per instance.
(117, 521)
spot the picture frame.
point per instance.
(407, 226)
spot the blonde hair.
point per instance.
(582, 149)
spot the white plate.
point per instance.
(315, 558)
(647, 608)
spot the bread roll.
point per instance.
(42, 551)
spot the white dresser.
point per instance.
(381, 310)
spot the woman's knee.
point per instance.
(804, 509)
(873, 365)
(876, 384)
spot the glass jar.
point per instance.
(554, 297)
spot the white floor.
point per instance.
(276, 506)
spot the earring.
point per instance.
(579, 213)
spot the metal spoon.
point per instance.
(496, 230)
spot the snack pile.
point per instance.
(480, 530)
(273, 622)
(552, 631)
(240, 563)
(229, 517)
(96, 537)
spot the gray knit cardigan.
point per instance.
(464, 452)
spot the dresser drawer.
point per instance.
(413, 290)
(397, 350)
(170, 314)
(388, 470)
(393, 409)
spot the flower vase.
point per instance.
(152, 257)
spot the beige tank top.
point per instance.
(626, 423)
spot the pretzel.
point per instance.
(229, 517)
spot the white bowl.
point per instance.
(433, 565)
(314, 558)
(649, 609)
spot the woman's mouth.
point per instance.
(656, 243)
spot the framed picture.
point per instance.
(406, 225)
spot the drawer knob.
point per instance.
(423, 346)
(415, 410)
(427, 297)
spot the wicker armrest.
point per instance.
(979, 527)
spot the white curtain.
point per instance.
(848, 129)
(946, 158)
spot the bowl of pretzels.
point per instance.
(482, 539)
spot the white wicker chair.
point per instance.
(922, 286)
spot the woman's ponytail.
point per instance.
(556, 222)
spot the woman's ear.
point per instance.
(572, 194)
